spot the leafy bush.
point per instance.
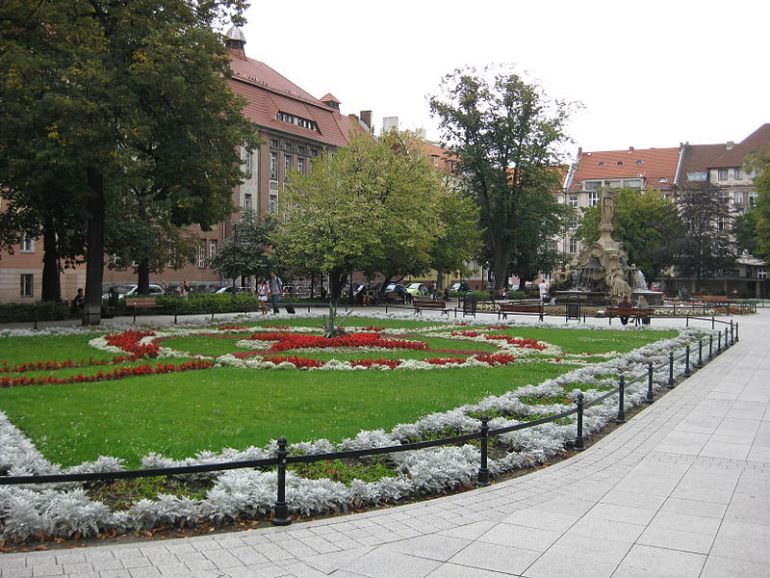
(39, 310)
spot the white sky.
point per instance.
(649, 73)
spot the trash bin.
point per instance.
(573, 307)
(469, 304)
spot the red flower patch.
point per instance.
(518, 342)
(298, 362)
(496, 358)
(128, 341)
(368, 363)
(445, 360)
(466, 333)
(289, 341)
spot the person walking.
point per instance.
(276, 288)
(264, 291)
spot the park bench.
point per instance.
(420, 304)
(505, 308)
(141, 304)
(624, 313)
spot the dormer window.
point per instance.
(297, 121)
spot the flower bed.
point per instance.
(66, 509)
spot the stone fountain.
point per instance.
(602, 275)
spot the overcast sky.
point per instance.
(649, 73)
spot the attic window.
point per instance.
(601, 163)
(620, 163)
(663, 180)
(297, 120)
(639, 163)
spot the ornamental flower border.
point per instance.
(65, 509)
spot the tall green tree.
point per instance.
(759, 165)
(247, 251)
(135, 93)
(648, 225)
(506, 133)
(371, 207)
(707, 247)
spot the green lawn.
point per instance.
(179, 414)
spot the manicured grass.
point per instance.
(177, 415)
(180, 414)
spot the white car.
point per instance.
(131, 289)
(417, 290)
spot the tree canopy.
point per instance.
(507, 134)
(759, 164)
(373, 206)
(104, 100)
(647, 224)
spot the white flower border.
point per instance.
(65, 509)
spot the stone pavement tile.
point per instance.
(13, 561)
(741, 541)
(602, 552)
(600, 529)
(707, 485)
(617, 497)
(728, 451)
(144, 572)
(693, 508)
(468, 531)
(683, 540)
(328, 563)
(115, 574)
(649, 561)
(440, 548)
(495, 557)
(386, 563)
(22, 572)
(619, 513)
(751, 509)
(535, 517)
(559, 566)
(92, 574)
(514, 536)
(301, 570)
(717, 567)
(456, 571)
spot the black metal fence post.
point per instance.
(281, 512)
(579, 442)
(650, 397)
(671, 369)
(700, 352)
(732, 333)
(621, 400)
(727, 342)
(483, 477)
(736, 331)
(711, 347)
(719, 342)
(712, 322)
(687, 360)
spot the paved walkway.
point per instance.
(682, 489)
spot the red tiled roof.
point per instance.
(652, 165)
(267, 93)
(734, 156)
(697, 159)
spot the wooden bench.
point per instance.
(420, 304)
(141, 303)
(505, 308)
(625, 313)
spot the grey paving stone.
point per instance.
(661, 562)
(717, 567)
(440, 548)
(386, 563)
(495, 557)
(558, 566)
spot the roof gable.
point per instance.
(656, 166)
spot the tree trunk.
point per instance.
(143, 276)
(500, 266)
(336, 281)
(51, 282)
(96, 207)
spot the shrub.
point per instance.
(37, 311)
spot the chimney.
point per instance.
(730, 144)
(630, 149)
(366, 117)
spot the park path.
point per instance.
(682, 489)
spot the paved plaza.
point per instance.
(682, 489)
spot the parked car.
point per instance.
(417, 290)
(230, 289)
(396, 292)
(131, 289)
(459, 287)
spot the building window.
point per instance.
(275, 143)
(247, 202)
(27, 244)
(753, 198)
(737, 174)
(27, 285)
(761, 273)
(212, 248)
(573, 201)
(573, 245)
(272, 203)
(201, 256)
(248, 162)
(273, 166)
(721, 174)
(434, 160)
(287, 162)
(592, 185)
(301, 165)
(593, 199)
(615, 184)
(633, 184)
(297, 121)
(738, 198)
(721, 223)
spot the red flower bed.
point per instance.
(289, 341)
(298, 362)
(518, 342)
(466, 333)
(392, 363)
(129, 340)
(117, 373)
(496, 358)
(54, 365)
(445, 360)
